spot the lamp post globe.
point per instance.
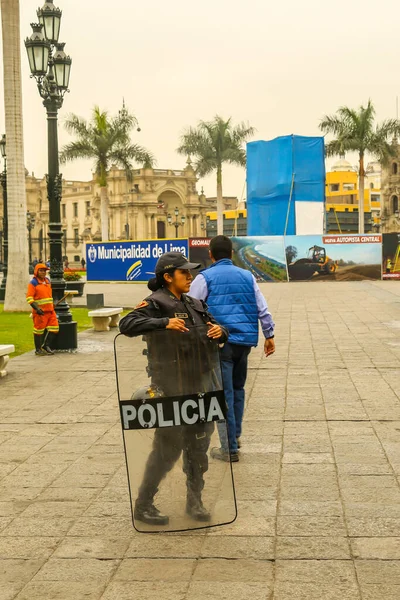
(38, 49)
(50, 17)
(62, 67)
(51, 67)
(176, 223)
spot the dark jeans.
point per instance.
(234, 372)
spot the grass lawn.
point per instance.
(16, 328)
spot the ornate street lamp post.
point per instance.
(50, 66)
(3, 181)
(176, 223)
(30, 224)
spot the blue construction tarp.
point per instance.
(271, 168)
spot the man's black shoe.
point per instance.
(150, 514)
(220, 454)
(47, 350)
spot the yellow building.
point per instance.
(342, 198)
(235, 222)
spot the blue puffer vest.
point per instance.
(232, 301)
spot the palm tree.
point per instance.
(213, 143)
(106, 140)
(355, 130)
(15, 299)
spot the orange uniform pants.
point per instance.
(47, 321)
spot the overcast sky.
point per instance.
(278, 65)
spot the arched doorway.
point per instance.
(171, 204)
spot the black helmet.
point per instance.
(148, 392)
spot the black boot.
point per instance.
(38, 345)
(148, 513)
(48, 341)
(195, 508)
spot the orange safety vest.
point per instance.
(41, 293)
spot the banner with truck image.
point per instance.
(132, 261)
(391, 256)
(341, 257)
(333, 257)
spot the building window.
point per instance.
(349, 186)
(87, 208)
(76, 236)
(75, 210)
(334, 187)
(395, 204)
(76, 258)
(371, 186)
(394, 168)
(64, 211)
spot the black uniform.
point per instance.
(183, 364)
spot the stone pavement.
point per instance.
(317, 484)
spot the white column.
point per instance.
(148, 227)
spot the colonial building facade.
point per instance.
(390, 215)
(156, 203)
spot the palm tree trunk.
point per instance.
(104, 213)
(361, 196)
(220, 207)
(17, 277)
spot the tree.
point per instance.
(355, 131)
(106, 140)
(213, 143)
(15, 299)
(291, 254)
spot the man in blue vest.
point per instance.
(236, 302)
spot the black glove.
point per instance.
(37, 308)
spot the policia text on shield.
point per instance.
(175, 414)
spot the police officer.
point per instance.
(182, 366)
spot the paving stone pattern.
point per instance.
(317, 483)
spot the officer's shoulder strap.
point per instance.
(197, 304)
(152, 299)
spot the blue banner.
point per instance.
(128, 261)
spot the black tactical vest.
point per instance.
(180, 364)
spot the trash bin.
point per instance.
(94, 301)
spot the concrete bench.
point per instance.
(104, 318)
(5, 350)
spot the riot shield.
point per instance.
(171, 398)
